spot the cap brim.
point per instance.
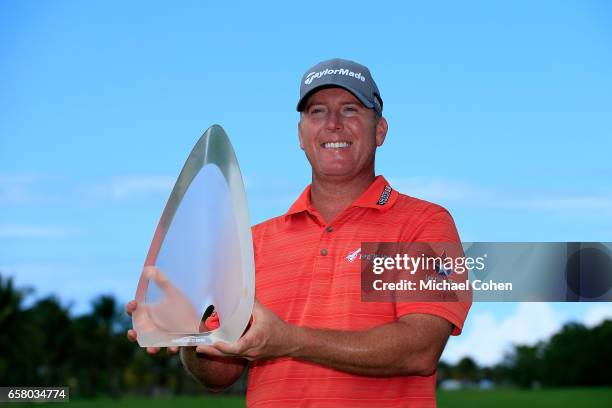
(357, 94)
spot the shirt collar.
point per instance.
(379, 196)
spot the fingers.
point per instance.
(211, 351)
(132, 335)
(238, 348)
(154, 274)
(227, 348)
(130, 307)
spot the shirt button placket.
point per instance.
(323, 267)
(328, 229)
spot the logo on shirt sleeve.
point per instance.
(353, 255)
(384, 196)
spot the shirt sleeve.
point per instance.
(439, 227)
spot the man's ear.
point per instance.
(381, 131)
(300, 134)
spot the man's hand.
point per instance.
(268, 337)
(173, 312)
(132, 336)
(215, 373)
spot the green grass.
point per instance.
(558, 398)
(143, 402)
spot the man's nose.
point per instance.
(334, 120)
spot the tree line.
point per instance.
(43, 344)
(576, 356)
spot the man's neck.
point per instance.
(330, 196)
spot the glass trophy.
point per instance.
(201, 257)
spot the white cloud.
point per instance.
(563, 203)
(486, 338)
(456, 191)
(597, 314)
(38, 189)
(35, 231)
(433, 189)
(21, 188)
(135, 186)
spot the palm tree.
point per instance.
(19, 350)
(56, 337)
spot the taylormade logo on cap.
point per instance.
(341, 71)
(347, 74)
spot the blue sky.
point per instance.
(500, 112)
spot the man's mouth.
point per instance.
(336, 145)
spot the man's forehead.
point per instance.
(335, 94)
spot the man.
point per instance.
(312, 341)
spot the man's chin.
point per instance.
(337, 175)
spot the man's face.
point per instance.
(339, 135)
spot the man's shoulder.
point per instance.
(417, 206)
(274, 223)
(424, 220)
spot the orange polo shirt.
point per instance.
(308, 273)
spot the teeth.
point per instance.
(336, 145)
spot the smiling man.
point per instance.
(313, 341)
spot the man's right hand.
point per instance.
(132, 336)
(173, 312)
(215, 373)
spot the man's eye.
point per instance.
(314, 111)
